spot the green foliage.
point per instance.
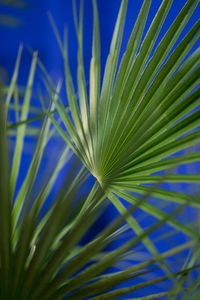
(123, 132)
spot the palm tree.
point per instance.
(132, 126)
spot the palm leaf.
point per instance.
(139, 122)
(5, 208)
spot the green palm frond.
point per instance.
(138, 122)
(146, 110)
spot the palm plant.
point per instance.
(126, 130)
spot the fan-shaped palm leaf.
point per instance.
(124, 131)
(145, 110)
